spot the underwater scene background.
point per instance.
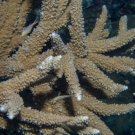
(120, 124)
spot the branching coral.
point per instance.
(41, 72)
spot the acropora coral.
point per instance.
(59, 70)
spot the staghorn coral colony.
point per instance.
(56, 73)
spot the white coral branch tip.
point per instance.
(84, 118)
(96, 131)
(125, 87)
(53, 34)
(3, 108)
(48, 62)
(79, 97)
(11, 115)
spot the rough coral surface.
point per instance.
(53, 74)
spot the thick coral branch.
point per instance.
(111, 64)
(78, 42)
(30, 76)
(106, 45)
(71, 76)
(104, 108)
(11, 103)
(43, 119)
(99, 32)
(97, 77)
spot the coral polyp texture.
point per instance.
(60, 104)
